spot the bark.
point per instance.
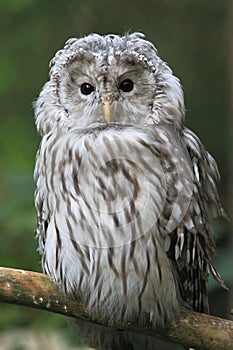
(199, 331)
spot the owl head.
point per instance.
(98, 80)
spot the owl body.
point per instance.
(124, 192)
(96, 232)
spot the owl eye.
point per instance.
(86, 88)
(126, 85)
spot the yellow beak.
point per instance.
(106, 108)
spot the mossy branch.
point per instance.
(199, 331)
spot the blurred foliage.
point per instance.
(190, 35)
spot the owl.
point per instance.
(125, 193)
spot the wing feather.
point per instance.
(192, 244)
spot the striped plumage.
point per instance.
(124, 192)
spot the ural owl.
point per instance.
(124, 191)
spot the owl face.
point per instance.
(107, 90)
(109, 79)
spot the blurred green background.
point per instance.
(192, 36)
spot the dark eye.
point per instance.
(86, 88)
(126, 85)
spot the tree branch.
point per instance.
(200, 331)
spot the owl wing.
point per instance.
(40, 203)
(192, 245)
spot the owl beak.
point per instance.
(106, 108)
